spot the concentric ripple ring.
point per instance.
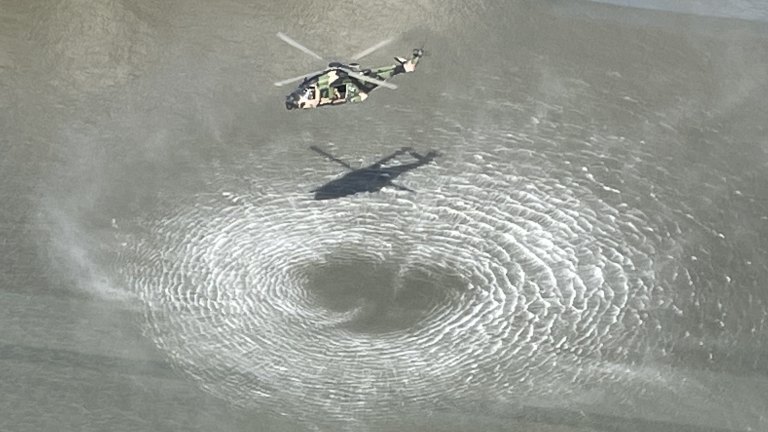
(492, 287)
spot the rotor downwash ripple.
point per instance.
(496, 287)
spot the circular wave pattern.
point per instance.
(489, 287)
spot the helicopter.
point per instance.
(371, 178)
(340, 83)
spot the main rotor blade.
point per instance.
(366, 78)
(331, 157)
(297, 45)
(367, 51)
(290, 80)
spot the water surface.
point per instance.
(588, 253)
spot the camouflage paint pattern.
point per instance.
(331, 88)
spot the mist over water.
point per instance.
(587, 253)
(753, 10)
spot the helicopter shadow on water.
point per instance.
(371, 178)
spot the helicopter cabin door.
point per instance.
(339, 93)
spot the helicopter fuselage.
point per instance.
(332, 87)
(335, 85)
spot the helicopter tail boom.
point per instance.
(402, 66)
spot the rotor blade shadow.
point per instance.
(331, 157)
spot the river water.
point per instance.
(588, 253)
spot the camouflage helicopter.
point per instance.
(340, 83)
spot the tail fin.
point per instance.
(409, 65)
